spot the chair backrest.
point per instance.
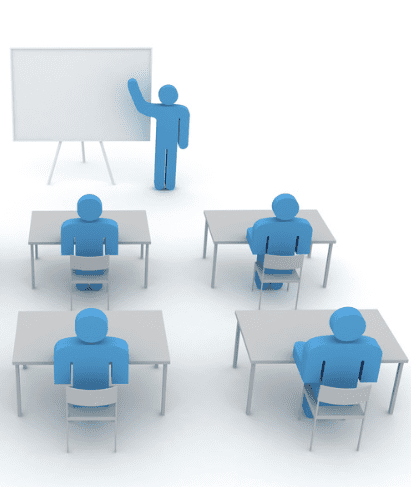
(98, 397)
(281, 262)
(344, 397)
(89, 263)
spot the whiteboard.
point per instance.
(79, 94)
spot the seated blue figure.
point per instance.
(281, 235)
(89, 234)
(341, 359)
(91, 352)
(172, 128)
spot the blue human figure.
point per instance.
(91, 352)
(172, 128)
(341, 359)
(89, 234)
(281, 235)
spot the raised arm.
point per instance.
(183, 127)
(148, 109)
(67, 238)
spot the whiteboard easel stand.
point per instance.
(84, 160)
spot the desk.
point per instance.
(269, 337)
(230, 227)
(45, 229)
(38, 331)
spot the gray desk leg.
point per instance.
(311, 249)
(142, 251)
(237, 343)
(163, 393)
(214, 265)
(205, 239)
(18, 390)
(327, 266)
(395, 389)
(146, 269)
(37, 251)
(250, 389)
(32, 265)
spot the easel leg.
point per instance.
(83, 151)
(54, 163)
(107, 164)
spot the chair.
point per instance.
(89, 264)
(90, 412)
(343, 404)
(279, 262)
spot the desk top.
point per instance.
(269, 336)
(45, 227)
(38, 331)
(230, 226)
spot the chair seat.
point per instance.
(269, 278)
(88, 278)
(88, 413)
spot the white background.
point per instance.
(311, 98)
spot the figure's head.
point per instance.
(91, 325)
(168, 94)
(89, 207)
(347, 324)
(285, 207)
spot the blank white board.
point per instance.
(79, 94)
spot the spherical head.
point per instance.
(347, 324)
(91, 325)
(89, 207)
(285, 207)
(168, 94)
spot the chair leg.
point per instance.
(71, 297)
(288, 286)
(115, 432)
(261, 294)
(359, 438)
(301, 406)
(312, 436)
(298, 292)
(108, 297)
(67, 434)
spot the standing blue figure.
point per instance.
(172, 128)
(339, 360)
(91, 352)
(281, 235)
(89, 233)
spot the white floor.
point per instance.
(310, 98)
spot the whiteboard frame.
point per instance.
(14, 118)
